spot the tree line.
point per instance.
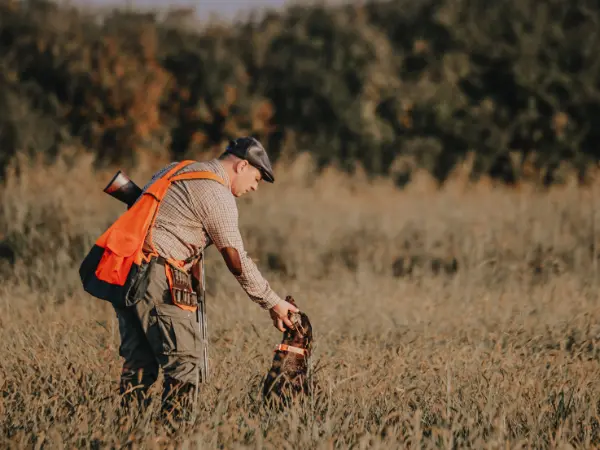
(514, 83)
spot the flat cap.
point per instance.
(252, 151)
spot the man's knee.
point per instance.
(183, 369)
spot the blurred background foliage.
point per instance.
(512, 85)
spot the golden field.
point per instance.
(501, 351)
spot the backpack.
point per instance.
(114, 269)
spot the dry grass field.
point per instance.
(464, 317)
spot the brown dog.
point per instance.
(288, 376)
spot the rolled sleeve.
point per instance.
(222, 227)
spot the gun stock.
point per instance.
(122, 188)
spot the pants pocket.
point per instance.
(177, 330)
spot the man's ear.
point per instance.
(241, 164)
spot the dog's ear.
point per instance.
(291, 300)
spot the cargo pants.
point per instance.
(156, 334)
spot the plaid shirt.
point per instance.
(197, 213)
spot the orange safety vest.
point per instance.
(111, 269)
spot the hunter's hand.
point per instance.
(279, 314)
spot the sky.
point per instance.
(224, 8)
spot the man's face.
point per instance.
(246, 180)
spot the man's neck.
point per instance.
(227, 167)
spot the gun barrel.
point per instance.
(123, 188)
(203, 324)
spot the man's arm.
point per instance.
(222, 227)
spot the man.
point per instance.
(155, 333)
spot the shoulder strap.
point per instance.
(199, 175)
(159, 187)
(177, 168)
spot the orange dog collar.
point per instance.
(289, 348)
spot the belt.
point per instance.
(162, 261)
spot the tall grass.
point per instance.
(502, 350)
